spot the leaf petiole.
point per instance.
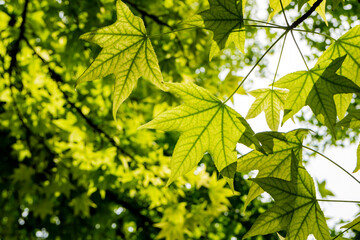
(333, 162)
(339, 201)
(257, 63)
(345, 230)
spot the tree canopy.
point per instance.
(118, 119)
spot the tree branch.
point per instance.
(58, 79)
(306, 15)
(13, 51)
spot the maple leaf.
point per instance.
(271, 101)
(225, 20)
(206, 124)
(276, 6)
(296, 209)
(43, 208)
(346, 44)
(316, 88)
(277, 161)
(82, 204)
(127, 53)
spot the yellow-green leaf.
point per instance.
(321, 97)
(316, 88)
(352, 120)
(225, 20)
(296, 209)
(271, 101)
(346, 44)
(206, 124)
(276, 6)
(127, 53)
(277, 161)
(355, 224)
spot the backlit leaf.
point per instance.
(352, 120)
(347, 44)
(276, 6)
(127, 53)
(316, 88)
(296, 209)
(321, 97)
(355, 224)
(206, 124)
(271, 101)
(225, 20)
(280, 147)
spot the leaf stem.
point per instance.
(174, 31)
(264, 26)
(302, 56)
(277, 67)
(340, 201)
(333, 162)
(345, 230)
(257, 63)
(313, 32)
(259, 21)
(283, 11)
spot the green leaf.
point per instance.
(355, 224)
(127, 53)
(276, 6)
(227, 86)
(206, 124)
(324, 192)
(225, 20)
(82, 204)
(277, 162)
(347, 44)
(352, 120)
(296, 209)
(316, 88)
(321, 97)
(271, 101)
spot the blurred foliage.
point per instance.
(68, 170)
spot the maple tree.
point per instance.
(67, 154)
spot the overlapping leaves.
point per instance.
(276, 163)
(296, 209)
(271, 101)
(127, 53)
(225, 20)
(347, 44)
(317, 88)
(206, 124)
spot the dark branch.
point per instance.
(306, 15)
(149, 15)
(13, 51)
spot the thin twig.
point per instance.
(302, 56)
